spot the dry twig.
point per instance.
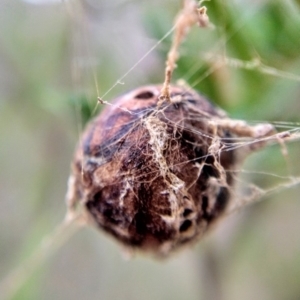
(189, 16)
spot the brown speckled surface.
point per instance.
(148, 177)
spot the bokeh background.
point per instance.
(50, 54)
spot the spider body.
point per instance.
(156, 178)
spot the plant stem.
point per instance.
(12, 283)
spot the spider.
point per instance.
(157, 176)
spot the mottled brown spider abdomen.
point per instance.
(155, 178)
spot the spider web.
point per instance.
(272, 172)
(210, 63)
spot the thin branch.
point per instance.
(12, 283)
(188, 17)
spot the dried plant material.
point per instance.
(203, 20)
(159, 177)
(188, 17)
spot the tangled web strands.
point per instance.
(156, 175)
(165, 132)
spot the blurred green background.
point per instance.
(49, 54)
